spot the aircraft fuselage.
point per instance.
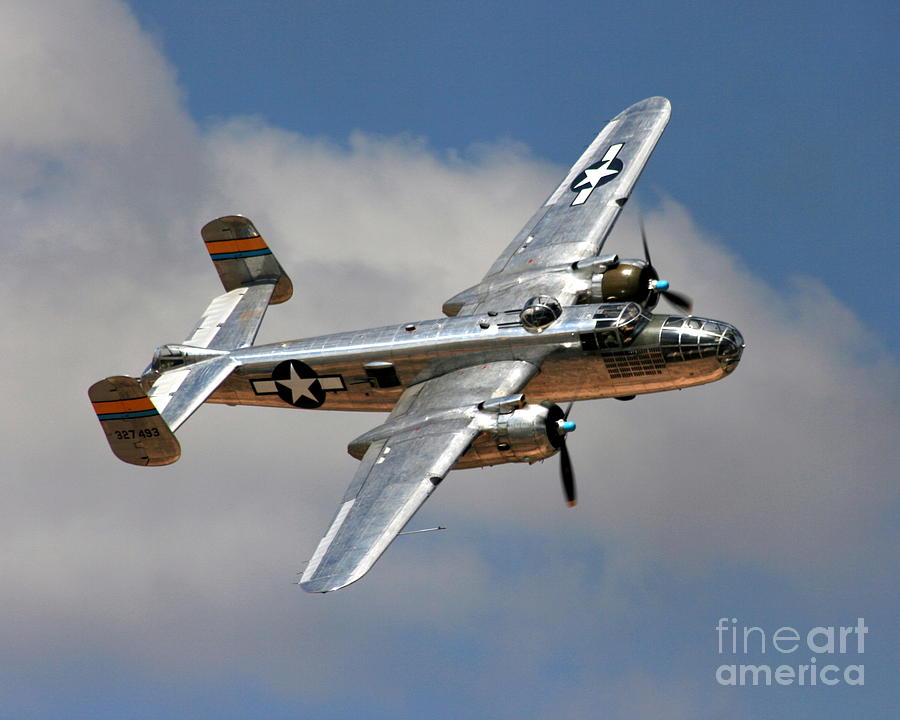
(591, 351)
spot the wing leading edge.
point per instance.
(431, 427)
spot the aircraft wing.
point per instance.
(432, 425)
(575, 220)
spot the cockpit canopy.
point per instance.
(540, 312)
(624, 317)
(616, 325)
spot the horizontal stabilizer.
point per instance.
(242, 257)
(178, 393)
(135, 430)
(232, 320)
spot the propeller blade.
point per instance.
(644, 241)
(682, 302)
(568, 475)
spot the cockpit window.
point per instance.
(629, 319)
(616, 324)
(689, 338)
(608, 313)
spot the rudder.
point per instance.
(242, 257)
(136, 432)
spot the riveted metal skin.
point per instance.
(582, 361)
(554, 320)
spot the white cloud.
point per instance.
(182, 572)
(363, 224)
(81, 76)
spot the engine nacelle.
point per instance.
(511, 431)
(628, 280)
(527, 434)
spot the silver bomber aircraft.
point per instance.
(554, 321)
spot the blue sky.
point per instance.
(770, 497)
(784, 130)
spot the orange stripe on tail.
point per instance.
(242, 245)
(120, 406)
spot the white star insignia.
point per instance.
(597, 174)
(298, 386)
(594, 176)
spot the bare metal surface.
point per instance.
(178, 393)
(569, 372)
(407, 457)
(232, 320)
(479, 387)
(538, 261)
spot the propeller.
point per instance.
(682, 302)
(568, 475)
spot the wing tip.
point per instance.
(326, 584)
(656, 104)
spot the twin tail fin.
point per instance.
(139, 417)
(136, 432)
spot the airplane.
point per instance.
(555, 320)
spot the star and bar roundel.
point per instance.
(600, 173)
(298, 384)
